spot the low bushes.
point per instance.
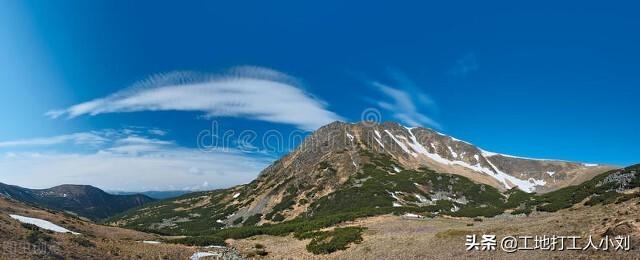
(326, 242)
(201, 241)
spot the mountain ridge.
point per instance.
(344, 170)
(419, 146)
(159, 195)
(83, 200)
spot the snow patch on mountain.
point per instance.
(198, 255)
(527, 186)
(350, 137)
(453, 153)
(420, 198)
(412, 215)
(490, 154)
(401, 144)
(379, 142)
(506, 179)
(41, 223)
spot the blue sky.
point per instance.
(84, 84)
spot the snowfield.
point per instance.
(41, 223)
(414, 148)
(411, 215)
(198, 255)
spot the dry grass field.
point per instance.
(395, 237)
(386, 237)
(94, 242)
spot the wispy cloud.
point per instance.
(88, 138)
(405, 101)
(126, 159)
(157, 132)
(166, 169)
(465, 65)
(249, 92)
(93, 139)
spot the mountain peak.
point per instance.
(75, 188)
(371, 168)
(415, 147)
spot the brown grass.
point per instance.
(105, 242)
(392, 237)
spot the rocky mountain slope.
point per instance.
(83, 200)
(343, 171)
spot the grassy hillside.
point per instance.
(380, 187)
(26, 241)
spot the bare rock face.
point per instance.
(329, 156)
(416, 147)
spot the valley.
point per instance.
(349, 191)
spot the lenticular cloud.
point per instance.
(250, 92)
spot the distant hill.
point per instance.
(83, 200)
(159, 195)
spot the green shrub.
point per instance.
(201, 241)
(29, 226)
(327, 242)
(36, 236)
(261, 252)
(525, 211)
(287, 202)
(252, 220)
(278, 217)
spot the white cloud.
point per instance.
(127, 160)
(129, 135)
(249, 92)
(76, 138)
(406, 103)
(158, 132)
(161, 170)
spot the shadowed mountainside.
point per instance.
(83, 200)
